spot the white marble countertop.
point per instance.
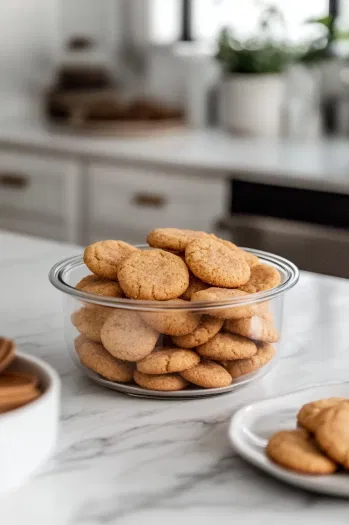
(321, 165)
(125, 461)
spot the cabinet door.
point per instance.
(127, 202)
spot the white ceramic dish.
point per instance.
(252, 425)
(28, 434)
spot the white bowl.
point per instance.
(28, 434)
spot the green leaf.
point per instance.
(324, 21)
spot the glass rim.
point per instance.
(58, 271)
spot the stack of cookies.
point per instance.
(321, 443)
(16, 388)
(172, 344)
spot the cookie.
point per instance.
(172, 322)
(241, 367)
(7, 353)
(251, 259)
(206, 329)
(78, 341)
(99, 286)
(227, 347)
(255, 328)
(332, 433)
(104, 257)
(127, 337)
(89, 321)
(95, 357)
(165, 383)
(153, 275)
(214, 263)
(208, 374)
(225, 294)
(263, 277)
(296, 450)
(195, 285)
(173, 238)
(168, 361)
(307, 417)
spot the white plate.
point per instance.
(251, 427)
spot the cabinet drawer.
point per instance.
(136, 201)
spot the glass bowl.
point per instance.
(148, 326)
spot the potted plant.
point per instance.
(253, 84)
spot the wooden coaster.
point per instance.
(7, 353)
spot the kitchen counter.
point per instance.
(321, 165)
(122, 460)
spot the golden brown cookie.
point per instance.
(95, 357)
(89, 321)
(263, 277)
(251, 259)
(173, 238)
(165, 383)
(227, 347)
(332, 433)
(172, 322)
(214, 263)
(307, 417)
(79, 340)
(195, 285)
(7, 352)
(255, 328)
(225, 294)
(104, 257)
(208, 374)
(296, 450)
(126, 336)
(99, 286)
(168, 361)
(153, 275)
(206, 329)
(241, 367)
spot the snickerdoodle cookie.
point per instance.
(104, 257)
(173, 238)
(168, 361)
(241, 367)
(163, 382)
(332, 432)
(153, 275)
(263, 277)
(307, 417)
(296, 450)
(99, 286)
(251, 259)
(172, 322)
(208, 374)
(206, 329)
(126, 336)
(195, 285)
(89, 321)
(225, 294)
(255, 328)
(216, 264)
(226, 347)
(95, 357)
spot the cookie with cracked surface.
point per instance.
(164, 382)
(206, 329)
(241, 367)
(95, 357)
(195, 285)
(208, 374)
(251, 259)
(214, 263)
(127, 337)
(168, 361)
(308, 418)
(172, 322)
(89, 321)
(153, 275)
(332, 432)
(173, 238)
(227, 347)
(224, 294)
(255, 328)
(99, 286)
(296, 450)
(263, 277)
(104, 257)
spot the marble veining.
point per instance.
(123, 460)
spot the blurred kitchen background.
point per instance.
(119, 116)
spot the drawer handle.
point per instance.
(11, 180)
(149, 200)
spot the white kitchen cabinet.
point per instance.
(126, 202)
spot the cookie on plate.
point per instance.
(164, 383)
(153, 275)
(296, 450)
(255, 328)
(216, 264)
(172, 322)
(208, 374)
(241, 367)
(168, 361)
(127, 337)
(99, 286)
(227, 347)
(263, 277)
(104, 257)
(307, 417)
(206, 329)
(95, 357)
(89, 321)
(332, 433)
(225, 294)
(173, 238)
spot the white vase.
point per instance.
(251, 104)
